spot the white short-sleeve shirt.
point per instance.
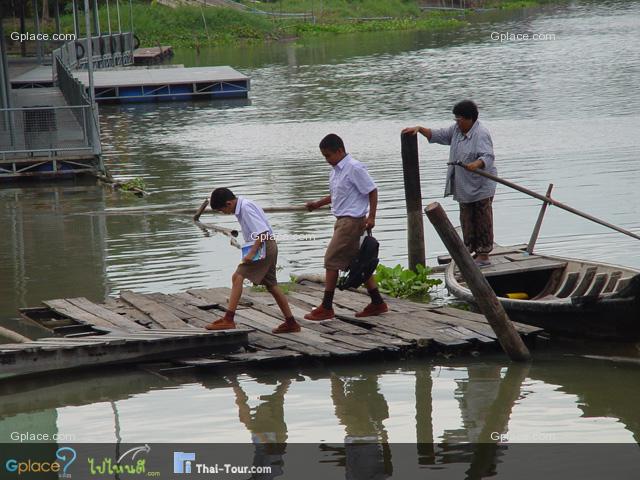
(350, 185)
(252, 220)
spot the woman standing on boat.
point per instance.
(471, 149)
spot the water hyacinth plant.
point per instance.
(401, 282)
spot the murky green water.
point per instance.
(562, 112)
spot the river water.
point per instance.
(562, 111)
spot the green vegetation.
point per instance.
(189, 26)
(194, 26)
(133, 185)
(404, 283)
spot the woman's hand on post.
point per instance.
(411, 130)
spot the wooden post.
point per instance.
(484, 295)
(536, 229)
(413, 199)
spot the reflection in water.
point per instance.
(266, 424)
(487, 397)
(361, 408)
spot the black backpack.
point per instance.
(363, 266)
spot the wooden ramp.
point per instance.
(137, 327)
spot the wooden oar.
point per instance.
(549, 200)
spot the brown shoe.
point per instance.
(287, 327)
(320, 313)
(373, 309)
(223, 323)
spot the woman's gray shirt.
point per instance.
(466, 186)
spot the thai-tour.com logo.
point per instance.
(184, 463)
(65, 456)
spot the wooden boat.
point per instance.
(561, 295)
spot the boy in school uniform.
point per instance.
(256, 231)
(352, 193)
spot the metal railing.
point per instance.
(107, 51)
(75, 94)
(46, 131)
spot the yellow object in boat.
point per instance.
(518, 296)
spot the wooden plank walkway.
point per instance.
(137, 327)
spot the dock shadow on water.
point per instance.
(376, 420)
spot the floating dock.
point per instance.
(131, 84)
(138, 327)
(151, 55)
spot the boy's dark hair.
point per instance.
(466, 109)
(220, 196)
(332, 142)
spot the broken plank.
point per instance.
(119, 307)
(153, 309)
(64, 307)
(102, 312)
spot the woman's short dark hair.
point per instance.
(331, 142)
(220, 196)
(466, 109)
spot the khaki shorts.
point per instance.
(345, 243)
(262, 272)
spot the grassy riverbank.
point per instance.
(189, 26)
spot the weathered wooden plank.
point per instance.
(480, 319)
(264, 323)
(216, 296)
(203, 362)
(359, 342)
(63, 307)
(191, 299)
(264, 356)
(186, 312)
(49, 357)
(153, 309)
(99, 311)
(423, 330)
(529, 264)
(119, 307)
(263, 340)
(447, 320)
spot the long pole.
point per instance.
(553, 202)
(89, 52)
(109, 20)
(36, 19)
(76, 20)
(482, 292)
(413, 199)
(96, 18)
(118, 12)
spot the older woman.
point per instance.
(472, 148)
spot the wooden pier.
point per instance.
(140, 327)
